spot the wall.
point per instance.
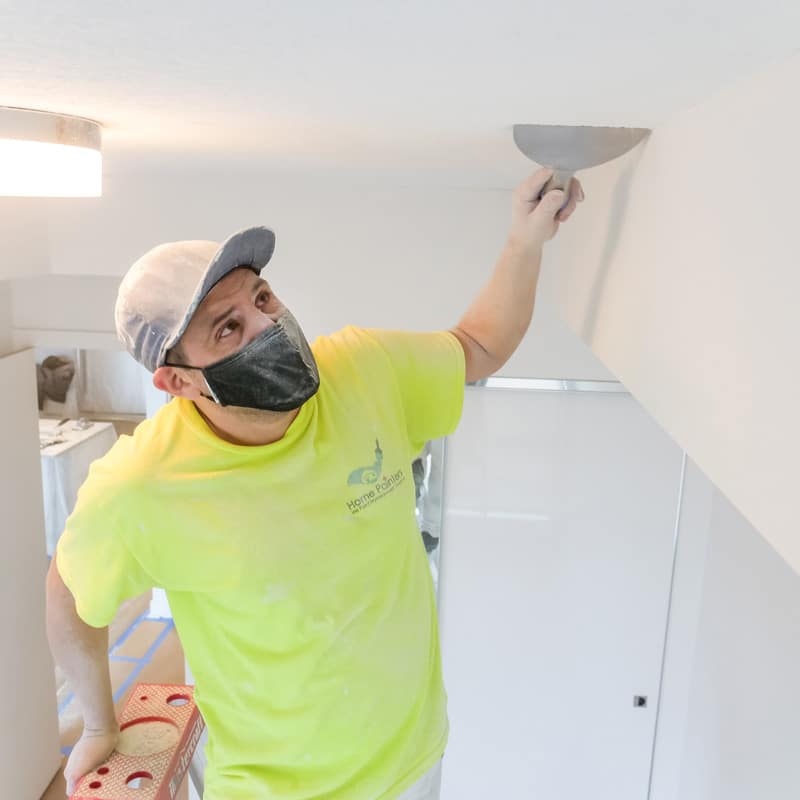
(730, 705)
(682, 276)
(405, 257)
(5, 317)
(25, 248)
(727, 717)
(59, 302)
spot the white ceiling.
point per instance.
(364, 85)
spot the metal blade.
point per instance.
(573, 147)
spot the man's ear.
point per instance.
(174, 381)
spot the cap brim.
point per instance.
(251, 247)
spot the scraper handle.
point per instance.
(560, 180)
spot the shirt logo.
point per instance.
(371, 476)
(368, 474)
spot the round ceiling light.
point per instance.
(48, 155)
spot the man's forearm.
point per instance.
(501, 313)
(82, 653)
(496, 321)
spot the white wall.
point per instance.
(24, 239)
(113, 382)
(405, 257)
(5, 317)
(64, 311)
(727, 718)
(731, 700)
(682, 275)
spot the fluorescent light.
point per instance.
(40, 169)
(48, 155)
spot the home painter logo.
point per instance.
(370, 476)
(371, 473)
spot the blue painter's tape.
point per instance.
(131, 659)
(144, 660)
(161, 636)
(169, 624)
(65, 703)
(131, 628)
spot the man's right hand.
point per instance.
(82, 653)
(90, 751)
(535, 220)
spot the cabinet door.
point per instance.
(557, 553)
(29, 752)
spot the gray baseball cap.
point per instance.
(162, 290)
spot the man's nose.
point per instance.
(259, 323)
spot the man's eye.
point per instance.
(228, 328)
(263, 297)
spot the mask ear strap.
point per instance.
(182, 366)
(213, 397)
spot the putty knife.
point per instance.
(568, 148)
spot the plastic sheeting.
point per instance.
(65, 465)
(428, 470)
(106, 382)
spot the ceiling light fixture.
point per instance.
(48, 155)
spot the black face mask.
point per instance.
(274, 372)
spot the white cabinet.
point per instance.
(29, 751)
(557, 552)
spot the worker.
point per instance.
(272, 498)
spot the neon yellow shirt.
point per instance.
(295, 571)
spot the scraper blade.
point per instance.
(567, 148)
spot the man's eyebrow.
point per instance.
(213, 324)
(258, 284)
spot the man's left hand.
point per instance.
(535, 221)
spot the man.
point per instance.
(273, 499)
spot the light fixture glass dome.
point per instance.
(48, 155)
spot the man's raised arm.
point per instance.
(495, 323)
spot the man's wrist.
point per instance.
(100, 724)
(101, 731)
(524, 246)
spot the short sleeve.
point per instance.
(93, 556)
(429, 369)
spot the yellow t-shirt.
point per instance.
(295, 571)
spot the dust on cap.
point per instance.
(161, 291)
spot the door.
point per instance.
(560, 510)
